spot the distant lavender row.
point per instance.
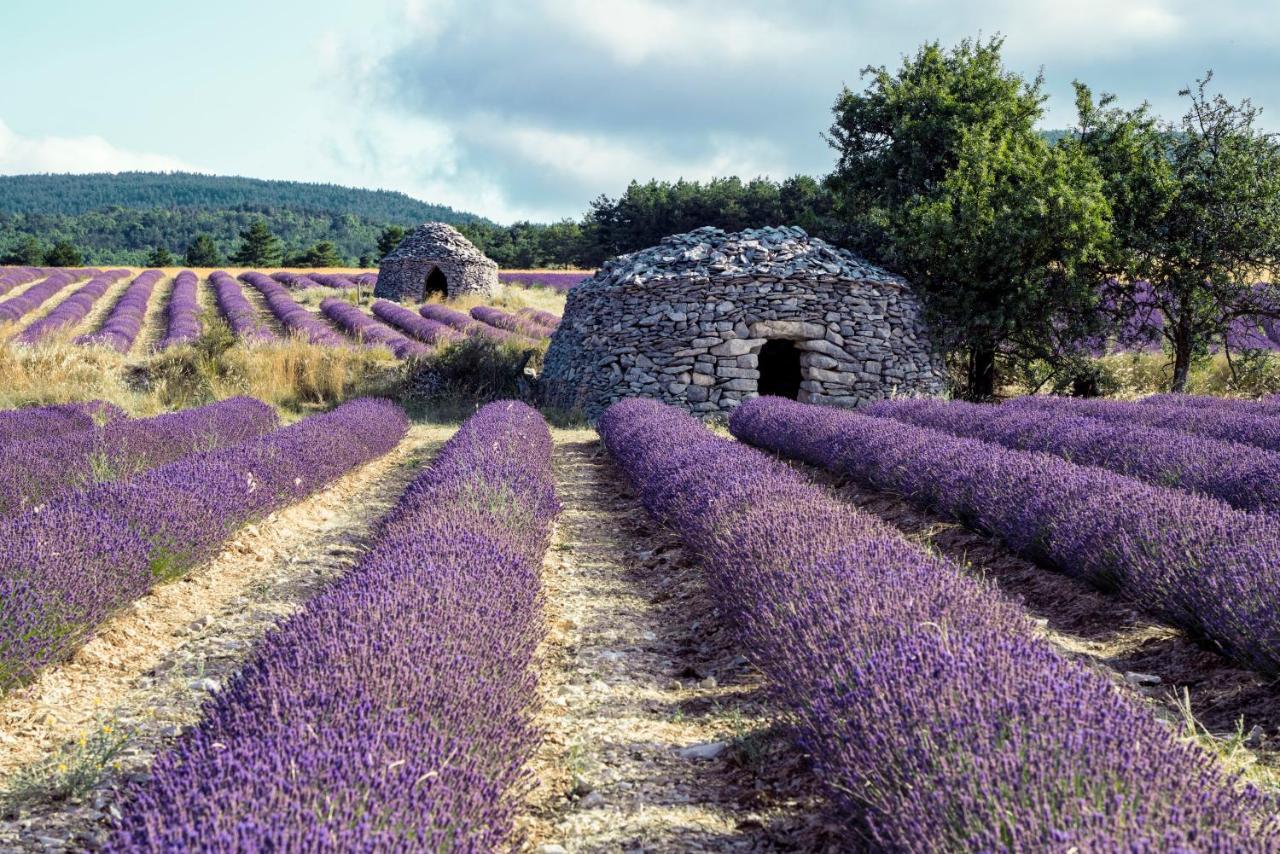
(71, 310)
(45, 467)
(464, 323)
(559, 280)
(1248, 428)
(20, 425)
(12, 277)
(545, 319)
(396, 711)
(65, 569)
(423, 328)
(366, 279)
(331, 280)
(1265, 406)
(1191, 560)
(297, 281)
(124, 323)
(368, 330)
(33, 297)
(924, 699)
(500, 319)
(241, 314)
(183, 312)
(1241, 475)
(292, 316)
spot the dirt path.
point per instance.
(155, 323)
(658, 737)
(148, 670)
(1155, 660)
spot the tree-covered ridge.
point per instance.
(78, 194)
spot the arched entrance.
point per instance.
(436, 283)
(779, 369)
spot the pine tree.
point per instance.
(389, 240)
(159, 257)
(323, 254)
(202, 252)
(63, 254)
(28, 253)
(258, 246)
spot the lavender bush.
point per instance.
(1204, 401)
(1241, 475)
(290, 313)
(500, 319)
(548, 321)
(368, 330)
(183, 312)
(1248, 428)
(12, 277)
(421, 327)
(242, 316)
(68, 567)
(396, 711)
(45, 422)
(332, 280)
(463, 323)
(71, 310)
(297, 281)
(929, 707)
(124, 323)
(1193, 561)
(33, 297)
(366, 279)
(43, 468)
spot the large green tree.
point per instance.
(943, 177)
(1197, 214)
(202, 252)
(159, 257)
(28, 253)
(389, 239)
(63, 254)
(258, 246)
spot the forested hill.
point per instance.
(77, 194)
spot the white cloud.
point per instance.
(24, 154)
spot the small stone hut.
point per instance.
(705, 320)
(435, 259)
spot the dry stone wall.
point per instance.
(685, 321)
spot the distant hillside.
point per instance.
(120, 218)
(77, 194)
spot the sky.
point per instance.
(532, 108)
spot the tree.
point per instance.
(202, 252)
(943, 177)
(258, 246)
(323, 254)
(63, 254)
(159, 257)
(28, 253)
(389, 239)
(1197, 214)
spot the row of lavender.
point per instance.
(68, 566)
(45, 467)
(395, 712)
(928, 704)
(20, 425)
(1193, 560)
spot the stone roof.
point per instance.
(785, 252)
(435, 241)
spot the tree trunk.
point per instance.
(1181, 356)
(982, 372)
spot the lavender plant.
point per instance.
(124, 323)
(290, 313)
(931, 710)
(36, 422)
(368, 330)
(71, 310)
(183, 311)
(395, 712)
(241, 314)
(423, 328)
(500, 319)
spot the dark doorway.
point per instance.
(436, 284)
(780, 369)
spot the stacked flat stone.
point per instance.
(402, 274)
(684, 322)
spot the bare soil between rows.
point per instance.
(639, 673)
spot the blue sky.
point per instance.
(530, 109)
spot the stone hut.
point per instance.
(435, 259)
(705, 320)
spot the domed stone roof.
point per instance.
(711, 253)
(438, 241)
